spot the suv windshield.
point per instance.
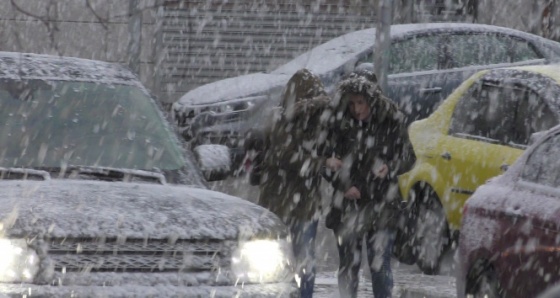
(62, 123)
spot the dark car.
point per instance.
(510, 233)
(99, 197)
(427, 62)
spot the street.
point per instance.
(409, 281)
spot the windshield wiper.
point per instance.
(126, 175)
(23, 174)
(104, 173)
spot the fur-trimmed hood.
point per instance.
(304, 93)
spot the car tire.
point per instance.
(431, 232)
(483, 283)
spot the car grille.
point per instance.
(91, 255)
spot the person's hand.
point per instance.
(248, 160)
(334, 164)
(353, 193)
(381, 171)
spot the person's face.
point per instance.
(359, 108)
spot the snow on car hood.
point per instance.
(232, 88)
(77, 208)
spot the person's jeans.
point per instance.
(303, 241)
(378, 246)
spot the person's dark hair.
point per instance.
(365, 73)
(361, 81)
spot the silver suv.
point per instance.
(99, 197)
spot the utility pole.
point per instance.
(383, 41)
(135, 36)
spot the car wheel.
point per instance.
(484, 284)
(431, 237)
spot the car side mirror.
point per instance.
(214, 161)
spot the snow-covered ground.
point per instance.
(409, 280)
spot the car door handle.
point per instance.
(446, 156)
(431, 90)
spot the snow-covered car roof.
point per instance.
(37, 66)
(549, 70)
(241, 87)
(337, 51)
(347, 46)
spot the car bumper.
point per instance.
(250, 291)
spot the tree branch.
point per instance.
(51, 26)
(23, 11)
(101, 20)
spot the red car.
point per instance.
(509, 243)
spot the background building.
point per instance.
(176, 45)
(541, 17)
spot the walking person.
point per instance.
(291, 167)
(370, 150)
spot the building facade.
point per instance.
(177, 45)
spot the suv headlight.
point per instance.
(263, 261)
(18, 262)
(235, 106)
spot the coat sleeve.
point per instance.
(401, 157)
(257, 140)
(297, 152)
(362, 173)
(392, 147)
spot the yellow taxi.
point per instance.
(474, 135)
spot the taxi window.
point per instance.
(533, 115)
(486, 112)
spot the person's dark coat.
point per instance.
(254, 140)
(290, 170)
(363, 146)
